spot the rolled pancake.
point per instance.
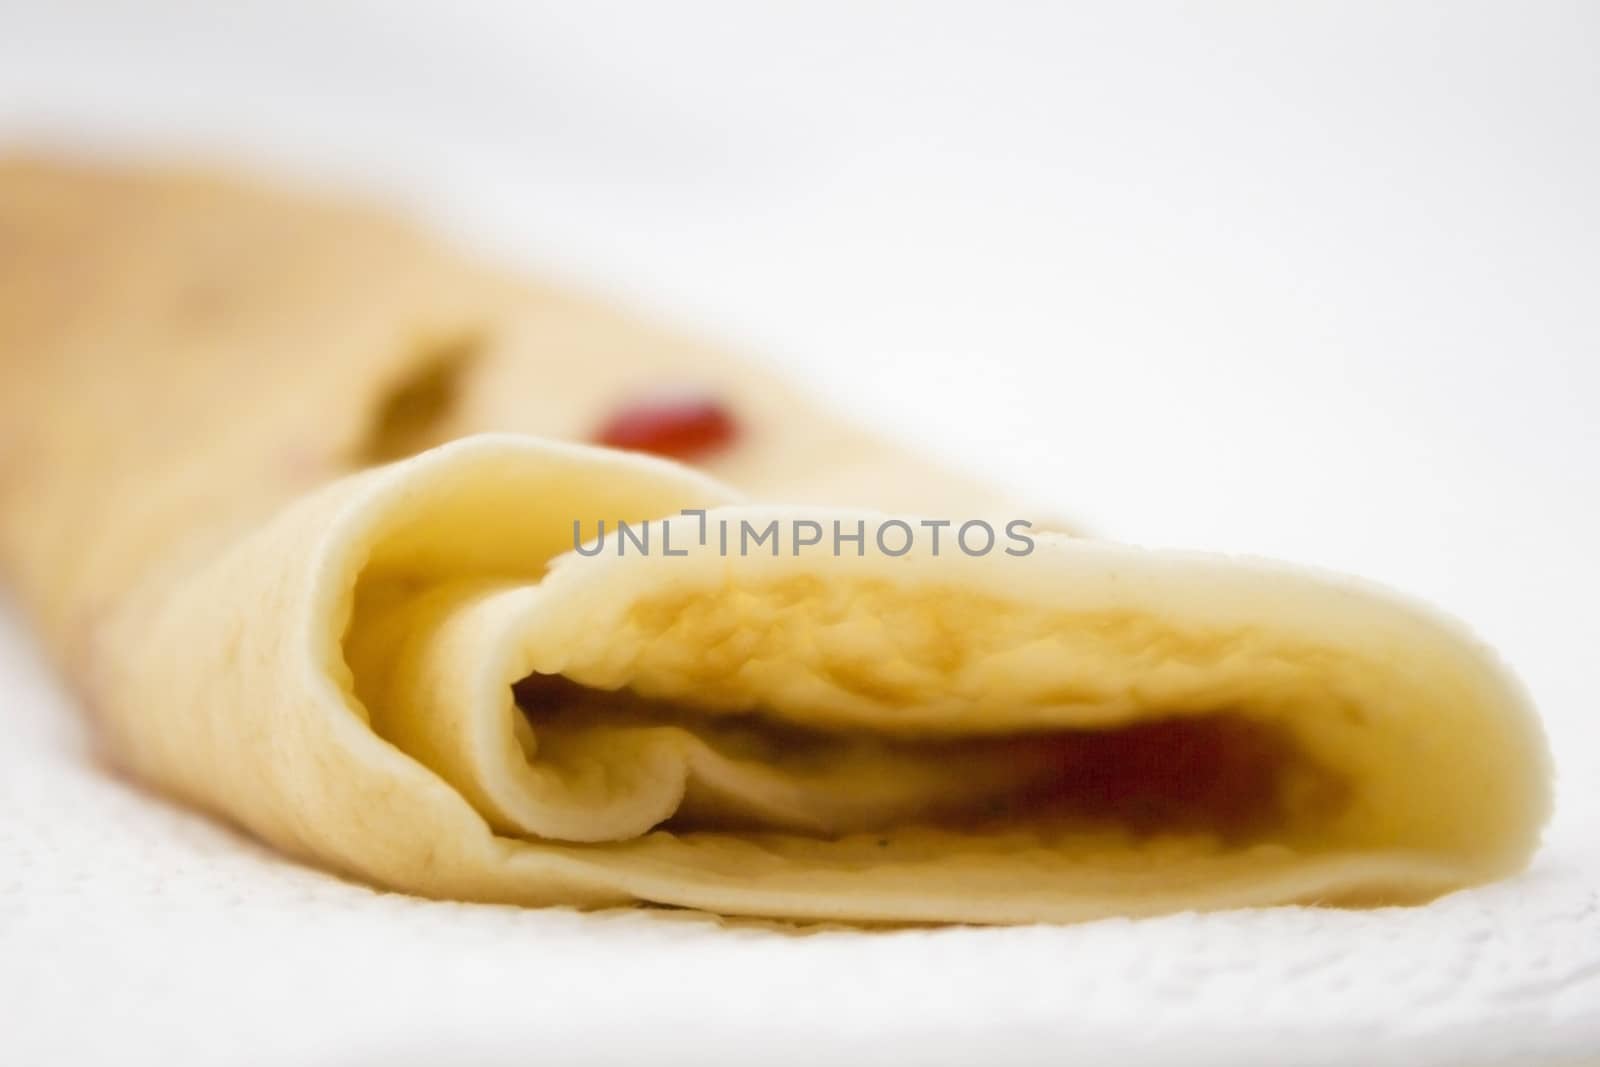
(402, 669)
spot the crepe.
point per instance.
(299, 501)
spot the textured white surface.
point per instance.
(1316, 284)
(134, 932)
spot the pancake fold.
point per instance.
(291, 493)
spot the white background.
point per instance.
(1316, 281)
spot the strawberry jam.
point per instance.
(676, 425)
